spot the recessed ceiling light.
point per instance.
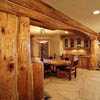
(66, 32)
(96, 12)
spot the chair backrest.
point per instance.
(50, 57)
(74, 61)
(67, 57)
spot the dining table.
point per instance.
(55, 62)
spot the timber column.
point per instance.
(24, 65)
(94, 54)
(8, 56)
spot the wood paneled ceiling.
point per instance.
(80, 10)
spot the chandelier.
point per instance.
(42, 38)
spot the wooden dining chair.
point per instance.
(70, 70)
(48, 68)
(53, 56)
(67, 56)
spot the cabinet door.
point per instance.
(66, 43)
(78, 43)
(86, 43)
(71, 43)
(84, 62)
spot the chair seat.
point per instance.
(47, 67)
(61, 67)
(68, 69)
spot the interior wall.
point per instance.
(55, 46)
(36, 50)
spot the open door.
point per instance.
(43, 50)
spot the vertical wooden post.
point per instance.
(8, 56)
(32, 45)
(24, 65)
(94, 54)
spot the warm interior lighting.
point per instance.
(42, 33)
(43, 41)
(66, 32)
(96, 12)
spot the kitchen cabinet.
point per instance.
(76, 43)
(83, 62)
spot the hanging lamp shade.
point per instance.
(42, 39)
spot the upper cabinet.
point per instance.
(66, 43)
(76, 43)
(79, 43)
(71, 43)
(86, 43)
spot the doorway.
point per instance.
(43, 50)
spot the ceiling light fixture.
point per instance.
(66, 32)
(96, 12)
(42, 39)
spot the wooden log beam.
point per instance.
(45, 21)
(18, 10)
(92, 37)
(37, 23)
(44, 8)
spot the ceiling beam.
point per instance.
(37, 18)
(37, 23)
(83, 33)
(10, 7)
(46, 9)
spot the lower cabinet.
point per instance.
(83, 62)
(38, 77)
